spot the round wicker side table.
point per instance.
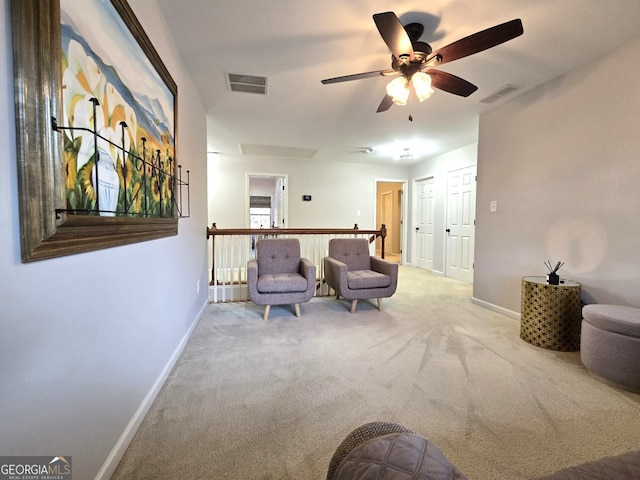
(551, 314)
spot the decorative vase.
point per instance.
(553, 279)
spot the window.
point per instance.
(260, 212)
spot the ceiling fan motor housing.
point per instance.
(403, 65)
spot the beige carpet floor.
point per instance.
(272, 400)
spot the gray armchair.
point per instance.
(354, 274)
(278, 276)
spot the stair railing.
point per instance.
(232, 248)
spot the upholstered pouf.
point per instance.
(610, 343)
(388, 451)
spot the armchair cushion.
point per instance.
(280, 255)
(281, 283)
(354, 252)
(367, 279)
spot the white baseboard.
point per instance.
(496, 308)
(112, 461)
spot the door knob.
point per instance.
(417, 229)
(448, 230)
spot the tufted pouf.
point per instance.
(610, 343)
(389, 451)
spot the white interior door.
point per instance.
(461, 214)
(424, 229)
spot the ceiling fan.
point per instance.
(413, 60)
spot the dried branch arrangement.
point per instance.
(553, 270)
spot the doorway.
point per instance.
(390, 212)
(266, 200)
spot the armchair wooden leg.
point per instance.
(297, 307)
(266, 312)
(380, 304)
(353, 305)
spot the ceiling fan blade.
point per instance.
(358, 76)
(479, 41)
(385, 104)
(450, 83)
(394, 34)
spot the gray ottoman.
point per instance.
(610, 343)
(389, 451)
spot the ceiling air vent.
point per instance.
(501, 93)
(247, 83)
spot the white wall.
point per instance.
(438, 168)
(339, 190)
(262, 186)
(84, 338)
(563, 163)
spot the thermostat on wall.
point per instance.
(306, 198)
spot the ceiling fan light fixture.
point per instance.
(398, 90)
(404, 154)
(422, 85)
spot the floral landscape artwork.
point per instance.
(118, 118)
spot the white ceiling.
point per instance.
(296, 43)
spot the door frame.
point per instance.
(403, 212)
(285, 195)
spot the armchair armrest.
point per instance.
(308, 271)
(252, 276)
(384, 266)
(335, 274)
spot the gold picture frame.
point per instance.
(47, 229)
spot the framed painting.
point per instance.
(95, 129)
